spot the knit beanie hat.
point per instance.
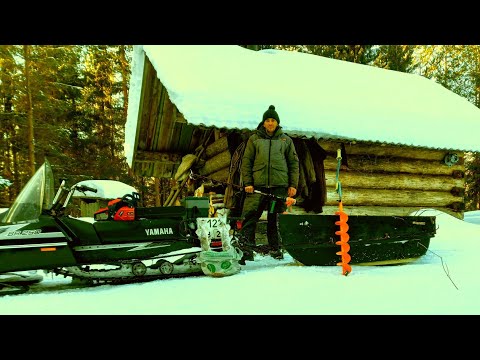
(271, 113)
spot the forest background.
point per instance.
(68, 103)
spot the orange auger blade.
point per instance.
(343, 242)
(342, 223)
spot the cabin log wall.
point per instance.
(379, 180)
(393, 180)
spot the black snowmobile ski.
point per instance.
(12, 283)
(13, 289)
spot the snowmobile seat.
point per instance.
(159, 212)
(82, 229)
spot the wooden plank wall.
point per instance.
(380, 179)
(158, 127)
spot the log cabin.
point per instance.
(403, 138)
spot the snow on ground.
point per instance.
(472, 217)
(444, 281)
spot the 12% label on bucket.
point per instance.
(213, 226)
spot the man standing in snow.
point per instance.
(270, 164)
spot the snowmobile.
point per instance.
(122, 243)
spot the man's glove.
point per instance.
(292, 191)
(249, 189)
(290, 201)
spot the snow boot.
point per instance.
(276, 254)
(247, 256)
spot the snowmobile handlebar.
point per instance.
(63, 196)
(84, 188)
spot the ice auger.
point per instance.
(342, 223)
(289, 201)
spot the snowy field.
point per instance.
(443, 281)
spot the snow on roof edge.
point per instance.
(199, 116)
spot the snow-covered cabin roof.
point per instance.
(227, 86)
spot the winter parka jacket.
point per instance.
(270, 161)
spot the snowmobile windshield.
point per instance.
(35, 196)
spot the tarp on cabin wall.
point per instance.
(227, 86)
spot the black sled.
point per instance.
(373, 240)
